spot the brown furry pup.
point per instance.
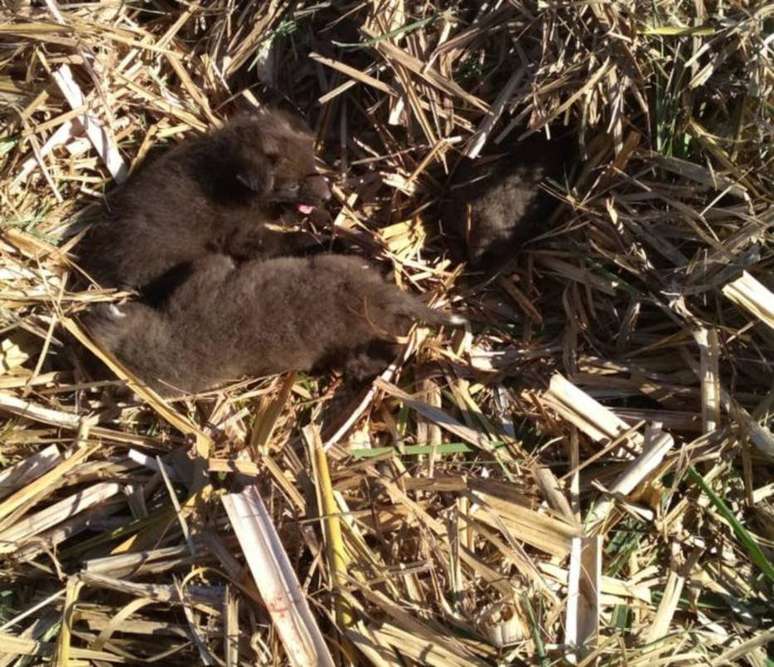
(494, 205)
(226, 192)
(260, 318)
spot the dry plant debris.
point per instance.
(583, 476)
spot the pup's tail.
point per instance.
(422, 313)
(443, 319)
(392, 311)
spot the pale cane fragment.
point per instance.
(753, 296)
(276, 580)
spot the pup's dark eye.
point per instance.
(293, 187)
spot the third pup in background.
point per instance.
(496, 203)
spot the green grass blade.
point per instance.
(756, 555)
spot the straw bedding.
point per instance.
(583, 475)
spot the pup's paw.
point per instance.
(102, 312)
(257, 176)
(251, 181)
(366, 362)
(115, 312)
(110, 321)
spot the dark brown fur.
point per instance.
(260, 318)
(495, 205)
(209, 194)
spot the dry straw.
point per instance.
(583, 475)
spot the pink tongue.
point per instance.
(305, 209)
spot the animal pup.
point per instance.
(228, 192)
(262, 317)
(495, 205)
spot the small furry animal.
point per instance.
(494, 205)
(228, 192)
(262, 317)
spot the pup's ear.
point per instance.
(270, 145)
(287, 121)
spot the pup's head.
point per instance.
(277, 158)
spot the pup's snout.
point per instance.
(318, 186)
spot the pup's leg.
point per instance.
(369, 360)
(259, 241)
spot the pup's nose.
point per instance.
(318, 186)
